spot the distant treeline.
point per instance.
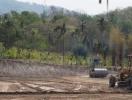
(76, 34)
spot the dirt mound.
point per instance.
(34, 69)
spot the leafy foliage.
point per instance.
(27, 35)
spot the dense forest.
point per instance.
(47, 37)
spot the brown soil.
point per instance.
(70, 83)
(69, 97)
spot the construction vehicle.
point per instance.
(124, 76)
(96, 69)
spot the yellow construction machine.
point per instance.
(124, 76)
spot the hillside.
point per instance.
(8, 5)
(27, 35)
(12, 5)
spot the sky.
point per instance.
(91, 7)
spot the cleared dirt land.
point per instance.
(33, 81)
(69, 97)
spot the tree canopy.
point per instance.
(95, 34)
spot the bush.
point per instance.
(46, 57)
(35, 55)
(2, 49)
(22, 54)
(80, 51)
(11, 53)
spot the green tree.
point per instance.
(117, 41)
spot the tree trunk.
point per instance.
(104, 57)
(121, 56)
(113, 57)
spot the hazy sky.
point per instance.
(87, 6)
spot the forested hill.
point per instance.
(14, 5)
(27, 35)
(9, 5)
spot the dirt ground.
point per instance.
(80, 83)
(70, 97)
(32, 81)
(85, 88)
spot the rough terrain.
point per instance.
(21, 81)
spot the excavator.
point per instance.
(124, 76)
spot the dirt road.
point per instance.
(70, 88)
(68, 97)
(80, 83)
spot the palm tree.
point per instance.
(62, 30)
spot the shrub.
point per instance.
(11, 53)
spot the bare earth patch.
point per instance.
(72, 83)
